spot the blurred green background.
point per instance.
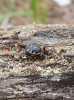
(30, 8)
(20, 12)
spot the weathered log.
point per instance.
(34, 79)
